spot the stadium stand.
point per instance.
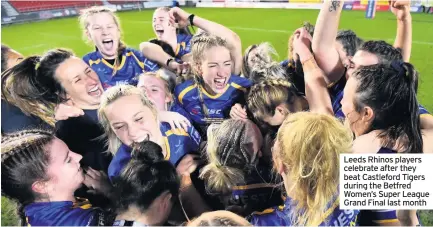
(29, 6)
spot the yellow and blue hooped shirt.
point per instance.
(178, 143)
(132, 64)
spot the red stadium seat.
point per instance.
(29, 6)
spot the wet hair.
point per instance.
(390, 91)
(219, 218)
(111, 95)
(265, 96)
(145, 178)
(350, 41)
(83, 19)
(384, 51)
(4, 55)
(230, 154)
(309, 148)
(31, 85)
(264, 55)
(25, 159)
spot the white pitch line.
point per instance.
(32, 47)
(283, 31)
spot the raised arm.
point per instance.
(157, 54)
(230, 36)
(403, 40)
(325, 33)
(316, 90)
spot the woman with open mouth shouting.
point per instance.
(209, 96)
(113, 61)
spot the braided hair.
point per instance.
(200, 43)
(230, 154)
(24, 161)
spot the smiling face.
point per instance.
(80, 82)
(156, 91)
(216, 69)
(132, 121)
(104, 32)
(63, 169)
(162, 27)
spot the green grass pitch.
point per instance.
(252, 25)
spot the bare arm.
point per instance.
(157, 54)
(325, 33)
(316, 90)
(403, 40)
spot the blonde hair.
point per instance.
(265, 54)
(265, 96)
(84, 23)
(200, 43)
(111, 95)
(230, 154)
(169, 79)
(310, 145)
(219, 218)
(268, 71)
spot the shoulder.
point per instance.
(183, 38)
(91, 56)
(182, 89)
(368, 143)
(240, 82)
(269, 217)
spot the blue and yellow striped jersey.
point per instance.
(218, 106)
(178, 143)
(377, 217)
(281, 215)
(132, 64)
(183, 45)
(64, 213)
(258, 192)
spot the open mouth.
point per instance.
(95, 91)
(220, 83)
(108, 44)
(159, 31)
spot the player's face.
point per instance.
(353, 118)
(63, 169)
(162, 27)
(361, 58)
(275, 120)
(216, 69)
(155, 91)
(104, 33)
(132, 121)
(13, 58)
(80, 82)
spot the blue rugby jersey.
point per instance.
(280, 216)
(65, 213)
(132, 64)
(259, 192)
(219, 105)
(178, 143)
(183, 45)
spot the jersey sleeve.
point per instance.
(195, 139)
(120, 159)
(422, 110)
(149, 65)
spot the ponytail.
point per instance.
(390, 91)
(145, 178)
(412, 127)
(21, 88)
(221, 178)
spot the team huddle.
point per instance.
(191, 130)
